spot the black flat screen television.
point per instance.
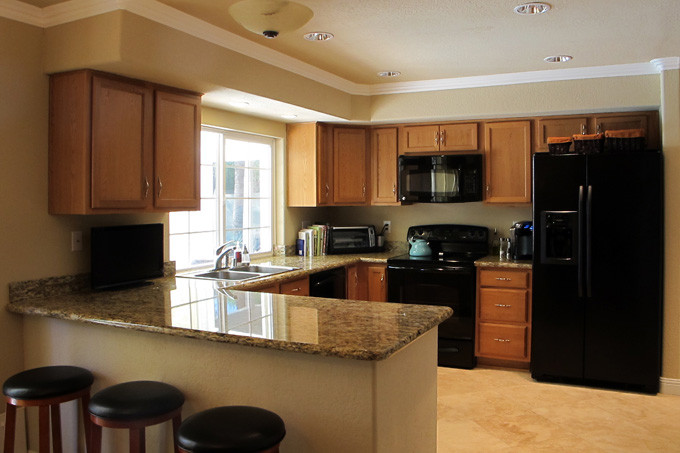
(125, 256)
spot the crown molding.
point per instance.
(158, 12)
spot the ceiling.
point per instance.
(444, 39)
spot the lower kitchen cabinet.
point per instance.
(297, 287)
(503, 315)
(367, 281)
(271, 289)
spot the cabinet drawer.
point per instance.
(504, 278)
(299, 287)
(503, 305)
(502, 341)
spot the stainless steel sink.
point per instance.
(228, 275)
(267, 270)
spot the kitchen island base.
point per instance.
(329, 404)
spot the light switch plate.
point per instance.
(76, 241)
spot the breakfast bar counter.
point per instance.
(344, 375)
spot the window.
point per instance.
(236, 199)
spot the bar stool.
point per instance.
(231, 429)
(46, 387)
(134, 406)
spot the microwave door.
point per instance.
(445, 184)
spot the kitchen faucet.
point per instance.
(223, 252)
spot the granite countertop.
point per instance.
(495, 261)
(208, 310)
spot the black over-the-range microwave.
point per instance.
(441, 178)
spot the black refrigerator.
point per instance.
(598, 269)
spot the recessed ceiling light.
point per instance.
(318, 36)
(532, 9)
(288, 116)
(558, 58)
(389, 74)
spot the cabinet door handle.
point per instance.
(583, 129)
(503, 305)
(501, 340)
(442, 138)
(382, 278)
(363, 191)
(146, 187)
(436, 138)
(504, 279)
(599, 128)
(394, 188)
(160, 186)
(328, 190)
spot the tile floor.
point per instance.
(499, 410)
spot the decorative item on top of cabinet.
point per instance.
(434, 138)
(507, 150)
(350, 166)
(384, 166)
(504, 315)
(309, 164)
(112, 150)
(558, 127)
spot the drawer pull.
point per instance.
(503, 305)
(295, 289)
(504, 279)
(501, 340)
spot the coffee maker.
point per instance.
(521, 240)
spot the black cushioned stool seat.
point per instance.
(46, 387)
(231, 429)
(134, 406)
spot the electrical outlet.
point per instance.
(387, 226)
(76, 241)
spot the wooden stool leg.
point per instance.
(10, 426)
(44, 429)
(56, 428)
(95, 438)
(176, 421)
(87, 423)
(137, 440)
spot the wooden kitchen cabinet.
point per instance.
(350, 166)
(504, 315)
(508, 162)
(309, 164)
(558, 127)
(376, 278)
(384, 163)
(297, 287)
(433, 138)
(356, 282)
(118, 145)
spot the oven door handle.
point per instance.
(432, 269)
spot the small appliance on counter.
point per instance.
(352, 239)
(521, 240)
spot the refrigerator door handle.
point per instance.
(589, 221)
(580, 266)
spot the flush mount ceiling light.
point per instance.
(558, 58)
(239, 103)
(288, 116)
(318, 36)
(270, 17)
(532, 9)
(389, 74)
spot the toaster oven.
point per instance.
(352, 239)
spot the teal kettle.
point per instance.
(419, 247)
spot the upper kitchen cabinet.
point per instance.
(434, 138)
(558, 127)
(350, 166)
(384, 166)
(120, 145)
(507, 153)
(309, 161)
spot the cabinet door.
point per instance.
(458, 137)
(177, 153)
(376, 282)
(122, 144)
(324, 165)
(616, 122)
(558, 127)
(350, 166)
(508, 162)
(384, 166)
(298, 287)
(356, 282)
(423, 139)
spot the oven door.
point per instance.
(449, 286)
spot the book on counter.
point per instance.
(313, 241)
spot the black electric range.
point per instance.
(447, 277)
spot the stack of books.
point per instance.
(313, 241)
